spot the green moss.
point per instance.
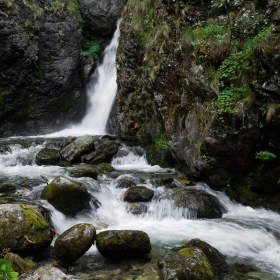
(33, 218)
(105, 167)
(187, 252)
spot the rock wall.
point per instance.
(40, 87)
(203, 77)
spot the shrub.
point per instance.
(265, 156)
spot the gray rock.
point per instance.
(66, 195)
(125, 183)
(122, 244)
(102, 15)
(138, 194)
(47, 157)
(23, 229)
(77, 148)
(84, 170)
(136, 208)
(74, 242)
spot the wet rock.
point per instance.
(125, 183)
(122, 244)
(84, 170)
(23, 229)
(74, 242)
(19, 264)
(47, 157)
(136, 208)
(138, 194)
(104, 167)
(188, 263)
(47, 272)
(66, 195)
(216, 259)
(104, 150)
(73, 151)
(101, 16)
(66, 141)
(200, 203)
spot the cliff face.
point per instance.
(203, 76)
(40, 87)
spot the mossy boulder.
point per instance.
(105, 167)
(47, 157)
(200, 203)
(23, 229)
(84, 170)
(19, 264)
(106, 146)
(138, 194)
(216, 259)
(74, 242)
(136, 208)
(80, 146)
(123, 244)
(66, 195)
(94, 157)
(188, 263)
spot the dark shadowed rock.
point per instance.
(66, 195)
(74, 242)
(94, 157)
(77, 148)
(188, 263)
(107, 147)
(138, 194)
(125, 183)
(47, 157)
(123, 244)
(23, 229)
(84, 170)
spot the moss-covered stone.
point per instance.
(19, 264)
(138, 194)
(123, 244)
(105, 167)
(66, 195)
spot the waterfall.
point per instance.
(100, 93)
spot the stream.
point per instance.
(243, 234)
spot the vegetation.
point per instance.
(7, 270)
(162, 142)
(265, 156)
(91, 47)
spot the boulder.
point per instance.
(84, 170)
(104, 167)
(101, 16)
(216, 259)
(47, 272)
(125, 183)
(74, 242)
(19, 264)
(200, 203)
(23, 229)
(104, 150)
(136, 208)
(188, 263)
(66, 195)
(47, 157)
(138, 194)
(123, 244)
(73, 151)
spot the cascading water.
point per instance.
(242, 234)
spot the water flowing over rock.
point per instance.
(123, 244)
(84, 170)
(66, 195)
(201, 204)
(74, 242)
(24, 230)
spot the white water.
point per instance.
(101, 96)
(243, 233)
